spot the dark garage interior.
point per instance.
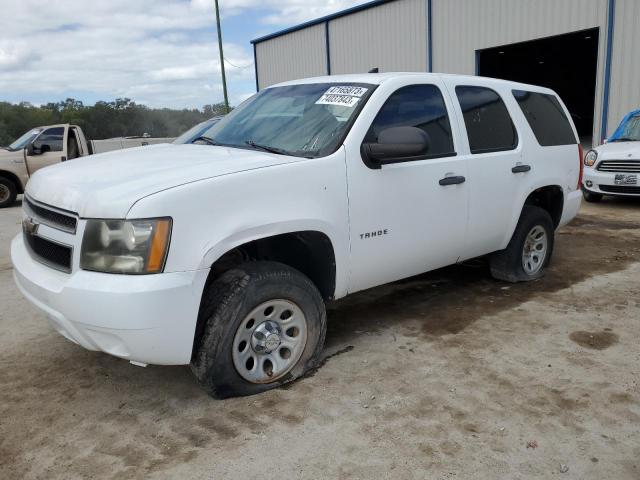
(565, 63)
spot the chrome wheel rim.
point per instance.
(269, 341)
(4, 193)
(534, 251)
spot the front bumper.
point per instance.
(595, 178)
(148, 319)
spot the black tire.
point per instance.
(507, 264)
(225, 304)
(6, 184)
(591, 197)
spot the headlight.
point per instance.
(590, 158)
(125, 246)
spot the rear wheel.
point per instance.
(591, 197)
(264, 325)
(8, 192)
(529, 250)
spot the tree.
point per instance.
(121, 117)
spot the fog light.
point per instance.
(589, 183)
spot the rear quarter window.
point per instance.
(488, 123)
(546, 118)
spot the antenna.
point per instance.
(373, 70)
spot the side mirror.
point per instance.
(33, 150)
(394, 145)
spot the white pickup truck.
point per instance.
(222, 254)
(48, 145)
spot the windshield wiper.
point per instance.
(267, 148)
(205, 139)
(624, 139)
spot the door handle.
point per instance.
(521, 168)
(452, 180)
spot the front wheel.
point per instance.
(8, 192)
(529, 250)
(264, 325)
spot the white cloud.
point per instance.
(153, 51)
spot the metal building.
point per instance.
(586, 50)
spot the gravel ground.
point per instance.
(446, 375)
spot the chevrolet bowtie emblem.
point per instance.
(29, 226)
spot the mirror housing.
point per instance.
(396, 144)
(33, 150)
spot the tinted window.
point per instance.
(420, 106)
(52, 137)
(546, 118)
(487, 119)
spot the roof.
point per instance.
(318, 21)
(379, 78)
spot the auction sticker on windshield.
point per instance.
(343, 95)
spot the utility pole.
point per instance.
(224, 78)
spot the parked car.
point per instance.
(613, 168)
(48, 145)
(196, 132)
(222, 255)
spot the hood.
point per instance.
(107, 185)
(9, 156)
(618, 151)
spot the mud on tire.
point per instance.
(508, 264)
(228, 301)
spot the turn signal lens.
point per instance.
(159, 246)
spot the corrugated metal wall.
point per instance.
(460, 27)
(295, 55)
(392, 37)
(625, 65)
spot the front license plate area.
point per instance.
(622, 179)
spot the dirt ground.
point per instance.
(450, 375)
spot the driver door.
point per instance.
(47, 149)
(405, 218)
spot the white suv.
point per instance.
(222, 253)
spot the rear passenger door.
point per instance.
(497, 174)
(405, 218)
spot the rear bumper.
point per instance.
(595, 178)
(143, 318)
(571, 207)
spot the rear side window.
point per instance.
(489, 125)
(546, 118)
(420, 106)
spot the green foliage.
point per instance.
(120, 118)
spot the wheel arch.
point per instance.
(549, 196)
(309, 251)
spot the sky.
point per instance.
(161, 53)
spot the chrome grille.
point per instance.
(52, 218)
(631, 166)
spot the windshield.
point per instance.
(24, 140)
(628, 131)
(308, 120)
(194, 132)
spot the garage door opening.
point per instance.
(566, 63)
